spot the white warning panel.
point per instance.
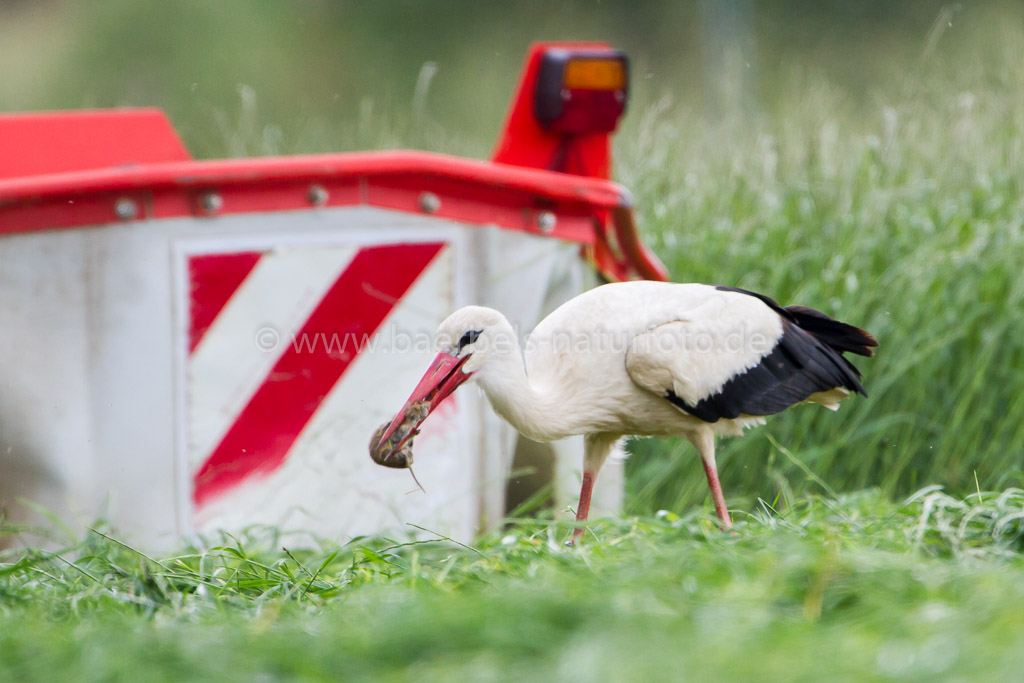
(292, 353)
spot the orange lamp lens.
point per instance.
(594, 74)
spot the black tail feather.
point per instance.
(838, 335)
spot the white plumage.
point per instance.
(646, 358)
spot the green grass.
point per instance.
(905, 217)
(854, 588)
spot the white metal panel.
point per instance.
(46, 436)
(316, 489)
(94, 415)
(328, 486)
(132, 379)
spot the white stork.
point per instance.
(642, 358)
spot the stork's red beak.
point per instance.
(439, 381)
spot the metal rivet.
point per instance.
(546, 222)
(126, 209)
(211, 202)
(317, 195)
(429, 202)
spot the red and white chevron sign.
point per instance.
(274, 341)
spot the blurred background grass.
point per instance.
(863, 158)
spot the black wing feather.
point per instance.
(806, 359)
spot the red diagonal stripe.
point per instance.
(356, 304)
(214, 278)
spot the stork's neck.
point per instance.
(536, 413)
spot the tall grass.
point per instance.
(903, 217)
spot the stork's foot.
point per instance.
(577, 532)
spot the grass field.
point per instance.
(906, 221)
(847, 588)
(879, 181)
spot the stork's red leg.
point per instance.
(596, 448)
(716, 493)
(584, 507)
(704, 441)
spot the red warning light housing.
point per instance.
(581, 92)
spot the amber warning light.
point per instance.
(581, 92)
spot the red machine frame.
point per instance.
(96, 167)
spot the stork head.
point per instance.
(465, 340)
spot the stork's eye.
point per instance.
(468, 339)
